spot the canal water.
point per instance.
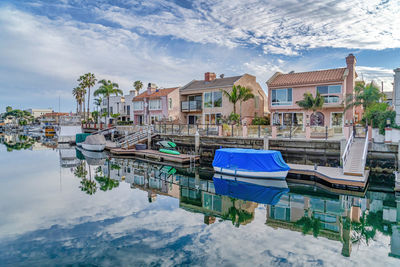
(60, 206)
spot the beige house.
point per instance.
(202, 101)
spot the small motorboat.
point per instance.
(80, 138)
(168, 147)
(95, 142)
(250, 163)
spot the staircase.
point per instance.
(130, 140)
(355, 156)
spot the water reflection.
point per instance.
(216, 210)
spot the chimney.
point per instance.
(350, 81)
(151, 87)
(209, 76)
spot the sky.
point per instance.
(46, 45)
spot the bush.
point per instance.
(260, 121)
(234, 117)
(377, 115)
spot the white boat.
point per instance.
(94, 143)
(250, 163)
(262, 182)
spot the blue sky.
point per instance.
(46, 45)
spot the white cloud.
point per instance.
(279, 26)
(378, 75)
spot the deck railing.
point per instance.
(347, 149)
(365, 151)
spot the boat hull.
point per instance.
(278, 183)
(93, 147)
(279, 175)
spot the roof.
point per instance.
(55, 114)
(155, 94)
(311, 77)
(220, 82)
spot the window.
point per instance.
(170, 103)
(155, 104)
(128, 109)
(328, 99)
(337, 119)
(213, 99)
(281, 97)
(212, 118)
(329, 89)
(138, 105)
(111, 110)
(154, 118)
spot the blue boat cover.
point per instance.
(249, 160)
(249, 192)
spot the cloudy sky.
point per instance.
(46, 45)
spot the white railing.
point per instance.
(347, 149)
(134, 138)
(365, 152)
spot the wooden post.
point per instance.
(244, 127)
(197, 142)
(149, 139)
(266, 142)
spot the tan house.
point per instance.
(202, 101)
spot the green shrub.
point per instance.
(260, 121)
(377, 115)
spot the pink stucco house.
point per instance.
(155, 105)
(333, 84)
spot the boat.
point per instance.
(93, 158)
(168, 147)
(250, 189)
(80, 138)
(95, 142)
(250, 163)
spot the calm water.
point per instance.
(59, 209)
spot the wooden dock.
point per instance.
(155, 155)
(331, 175)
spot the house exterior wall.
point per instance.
(36, 113)
(175, 111)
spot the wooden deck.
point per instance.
(331, 175)
(154, 154)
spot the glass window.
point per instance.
(337, 119)
(256, 102)
(281, 97)
(138, 105)
(329, 89)
(170, 103)
(207, 100)
(128, 109)
(155, 104)
(217, 99)
(331, 99)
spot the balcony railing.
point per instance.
(188, 106)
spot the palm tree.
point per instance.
(97, 102)
(310, 102)
(87, 80)
(364, 95)
(138, 86)
(244, 95)
(77, 93)
(233, 96)
(309, 223)
(106, 89)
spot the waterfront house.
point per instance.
(121, 105)
(37, 112)
(333, 84)
(52, 118)
(202, 101)
(156, 105)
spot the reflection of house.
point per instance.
(52, 117)
(202, 101)
(199, 196)
(333, 84)
(156, 105)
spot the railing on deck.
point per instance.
(365, 152)
(347, 149)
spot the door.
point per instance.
(192, 119)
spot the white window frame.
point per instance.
(134, 105)
(156, 107)
(284, 103)
(331, 119)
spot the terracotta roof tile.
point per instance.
(312, 77)
(220, 82)
(155, 94)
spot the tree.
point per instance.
(77, 92)
(97, 102)
(138, 86)
(308, 224)
(106, 89)
(87, 80)
(238, 94)
(364, 95)
(310, 102)
(8, 109)
(232, 96)
(244, 95)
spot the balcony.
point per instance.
(189, 106)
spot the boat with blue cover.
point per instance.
(250, 163)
